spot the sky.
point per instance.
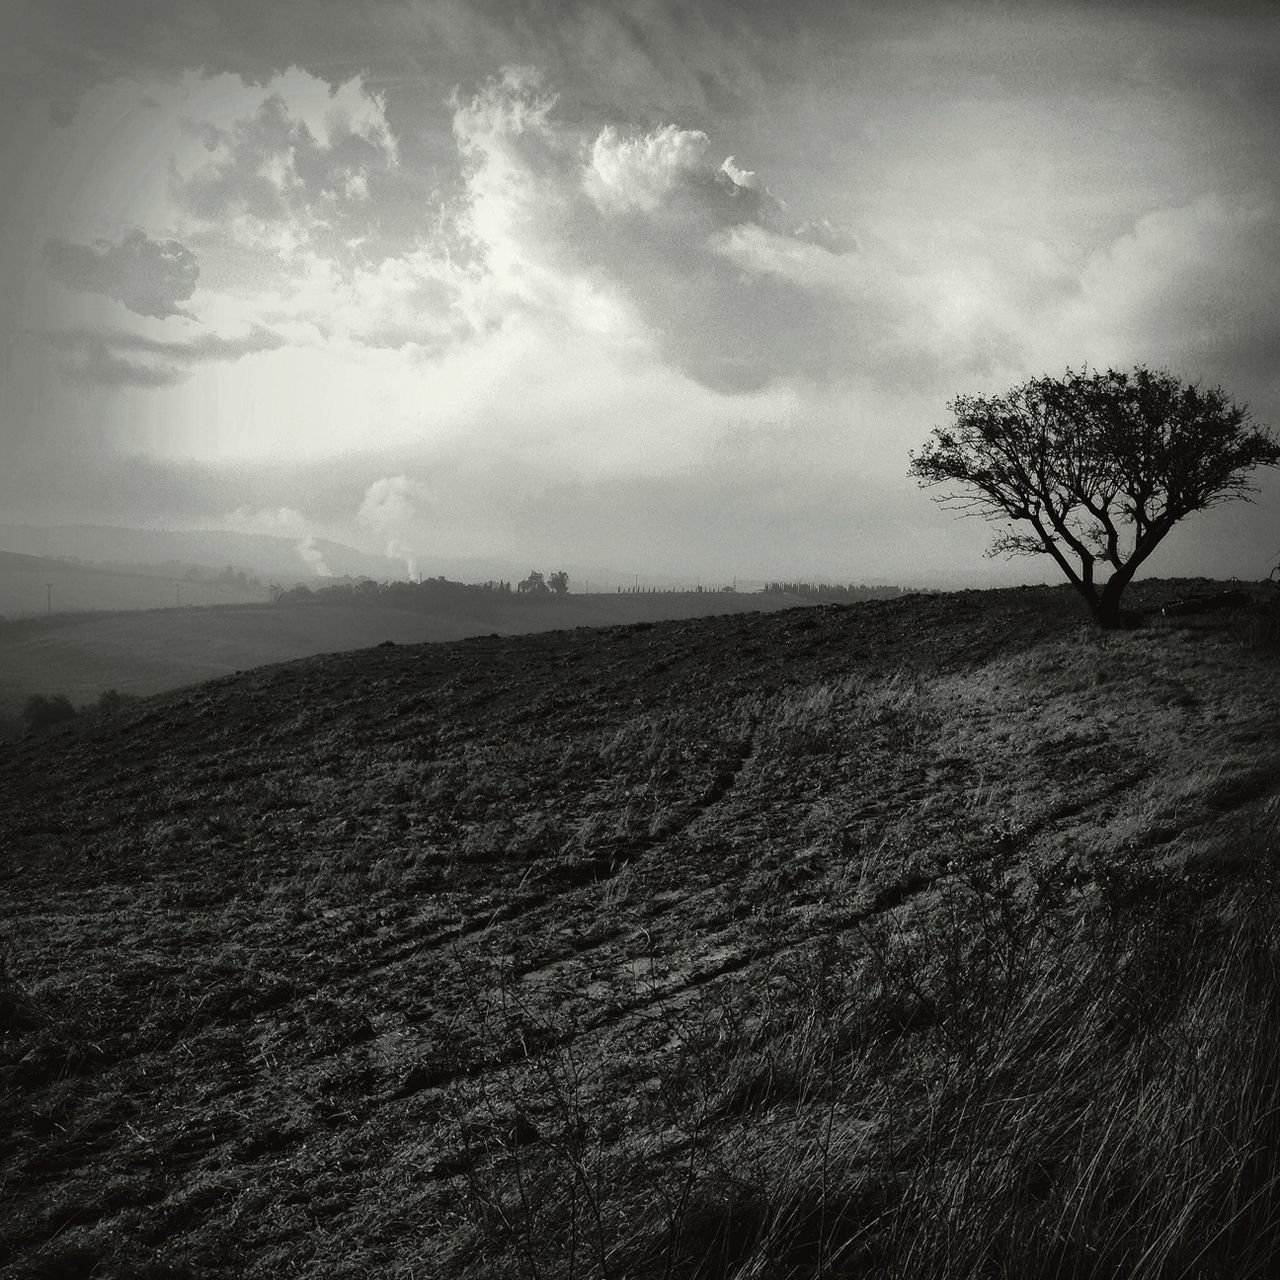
(669, 287)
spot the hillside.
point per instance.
(933, 937)
(33, 585)
(149, 651)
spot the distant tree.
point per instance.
(1100, 466)
(558, 582)
(40, 712)
(534, 584)
(112, 702)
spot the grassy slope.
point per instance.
(82, 655)
(855, 940)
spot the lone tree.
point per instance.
(1100, 466)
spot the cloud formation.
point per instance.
(300, 165)
(641, 172)
(624, 231)
(1194, 285)
(150, 277)
(579, 295)
(104, 357)
(397, 508)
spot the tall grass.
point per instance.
(1022, 1077)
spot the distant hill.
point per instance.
(143, 652)
(37, 585)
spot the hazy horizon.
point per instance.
(669, 288)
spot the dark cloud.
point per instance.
(635, 57)
(241, 181)
(151, 277)
(102, 357)
(93, 363)
(205, 346)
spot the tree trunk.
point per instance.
(1090, 594)
(1107, 612)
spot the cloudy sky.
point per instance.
(670, 287)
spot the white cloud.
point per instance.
(393, 502)
(640, 173)
(1193, 285)
(509, 152)
(740, 177)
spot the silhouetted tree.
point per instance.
(1100, 466)
(558, 582)
(534, 584)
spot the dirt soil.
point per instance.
(268, 936)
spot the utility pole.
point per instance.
(48, 599)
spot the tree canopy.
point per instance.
(1094, 468)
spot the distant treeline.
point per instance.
(834, 591)
(537, 586)
(428, 590)
(42, 712)
(172, 569)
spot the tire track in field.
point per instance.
(726, 961)
(580, 875)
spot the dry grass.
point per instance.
(1025, 1084)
